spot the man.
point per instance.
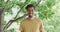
(32, 23)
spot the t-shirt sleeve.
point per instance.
(41, 28)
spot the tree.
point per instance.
(43, 11)
(1, 19)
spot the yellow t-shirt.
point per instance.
(34, 25)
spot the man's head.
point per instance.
(30, 9)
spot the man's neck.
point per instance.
(31, 18)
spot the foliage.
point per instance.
(44, 10)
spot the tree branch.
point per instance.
(11, 21)
(26, 2)
(7, 25)
(1, 10)
(6, 3)
(38, 2)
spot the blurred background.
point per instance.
(47, 10)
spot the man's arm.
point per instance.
(41, 27)
(22, 31)
(21, 28)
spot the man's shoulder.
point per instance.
(38, 19)
(24, 20)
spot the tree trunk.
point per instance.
(1, 19)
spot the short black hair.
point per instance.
(30, 5)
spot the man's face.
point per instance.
(30, 11)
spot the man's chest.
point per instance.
(31, 25)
